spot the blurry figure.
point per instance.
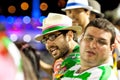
(10, 58)
(46, 67)
(117, 41)
(117, 24)
(96, 9)
(78, 11)
(30, 59)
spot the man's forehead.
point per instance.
(97, 32)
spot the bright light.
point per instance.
(24, 6)
(10, 19)
(43, 6)
(13, 37)
(2, 18)
(11, 9)
(41, 18)
(27, 38)
(26, 19)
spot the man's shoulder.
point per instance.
(102, 72)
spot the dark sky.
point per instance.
(105, 5)
(108, 4)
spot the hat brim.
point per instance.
(74, 7)
(78, 30)
(98, 13)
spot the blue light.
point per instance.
(26, 19)
(35, 9)
(41, 19)
(2, 18)
(10, 19)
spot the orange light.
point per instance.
(61, 3)
(43, 6)
(11, 9)
(24, 6)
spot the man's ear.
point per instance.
(69, 35)
(112, 47)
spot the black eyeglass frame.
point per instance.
(50, 37)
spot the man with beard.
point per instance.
(59, 37)
(80, 14)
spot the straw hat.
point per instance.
(55, 22)
(96, 7)
(73, 4)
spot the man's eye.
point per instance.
(88, 38)
(44, 40)
(102, 42)
(52, 37)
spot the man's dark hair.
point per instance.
(103, 24)
(74, 34)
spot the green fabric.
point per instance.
(53, 29)
(106, 72)
(6, 41)
(82, 76)
(102, 72)
(71, 60)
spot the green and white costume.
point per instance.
(102, 72)
(70, 61)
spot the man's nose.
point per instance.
(93, 44)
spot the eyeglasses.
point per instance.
(50, 37)
(99, 42)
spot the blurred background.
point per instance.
(22, 17)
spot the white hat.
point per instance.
(55, 22)
(73, 4)
(96, 7)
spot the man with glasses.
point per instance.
(81, 11)
(59, 37)
(96, 47)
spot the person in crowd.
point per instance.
(117, 24)
(10, 58)
(96, 47)
(81, 12)
(78, 11)
(96, 10)
(30, 60)
(59, 37)
(74, 11)
(96, 13)
(117, 50)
